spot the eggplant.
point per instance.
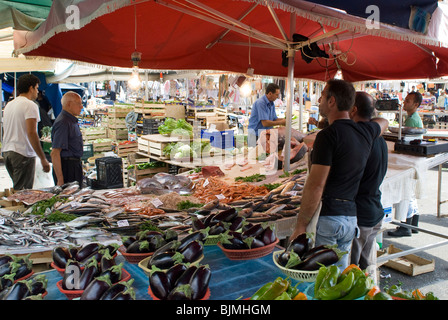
(159, 284)
(6, 281)
(226, 215)
(6, 268)
(87, 251)
(175, 272)
(116, 289)
(300, 244)
(128, 241)
(107, 261)
(168, 247)
(88, 274)
(125, 295)
(60, 256)
(162, 260)
(71, 273)
(183, 292)
(197, 224)
(114, 273)
(170, 235)
(197, 235)
(283, 258)
(199, 282)
(237, 223)
(209, 219)
(193, 251)
(324, 257)
(38, 285)
(185, 277)
(148, 234)
(235, 243)
(247, 226)
(217, 228)
(73, 251)
(155, 242)
(138, 247)
(20, 290)
(113, 248)
(268, 236)
(96, 288)
(22, 268)
(314, 250)
(253, 231)
(252, 243)
(5, 259)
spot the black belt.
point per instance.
(71, 159)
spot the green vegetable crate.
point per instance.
(153, 144)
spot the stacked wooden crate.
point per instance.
(153, 144)
(122, 149)
(117, 129)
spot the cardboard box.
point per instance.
(410, 264)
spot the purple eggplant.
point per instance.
(225, 215)
(138, 247)
(22, 267)
(6, 258)
(208, 220)
(175, 272)
(113, 272)
(199, 282)
(155, 242)
(197, 235)
(38, 284)
(163, 260)
(160, 284)
(237, 223)
(183, 292)
(20, 290)
(252, 243)
(314, 250)
(217, 228)
(116, 289)
(186, 276)
(324, 257)
(88, 274)
(300, 244)
(87, 251)
(6, 281)
(268, 236)
(170, 235)
(107, 261)
(197, 224)
(283, 258)
(127, 295)
(253, 231)
(6, 268)
(128, 241)
(60, 256)
(96, 288)
(193, 251)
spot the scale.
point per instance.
(421, 147)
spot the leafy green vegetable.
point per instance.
(253, 178)
(58, 216)
(187, 204)
(272, 186)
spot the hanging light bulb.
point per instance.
(135, 81)
(246, 88)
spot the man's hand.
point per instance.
(45, 165)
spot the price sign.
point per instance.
(123, 223)
(156, 202)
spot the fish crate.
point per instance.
(410, 264)
(109, 172)
(117, 134)
(93, 134)
(153, 144)
(122, 150)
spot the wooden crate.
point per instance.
(124, 149)
(90, 135)
(102, 146)
(151, 109)
(120, 111)
(117, 134)
(136, 175)
(116, 123)
(153, 144)
(410, 264)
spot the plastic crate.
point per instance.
(109, 172)
(87, 152)
(219, 139)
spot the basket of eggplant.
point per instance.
(189, 249)
(34, 288)
(180, 282)
(16, 268)
(254, 240)
(61, 255)
(300, 261)
(145, 243)
(76, 278)
(216, 224)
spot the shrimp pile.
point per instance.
(217, 187)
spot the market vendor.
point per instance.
(340, 153)
(413, 120)
(263, 114)
(67, 143)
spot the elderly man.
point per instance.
(340, 153)
(67, 144)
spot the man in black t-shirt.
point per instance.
(340, 153)
(369, 209)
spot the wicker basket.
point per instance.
(72, 294)
(301, 275)
(211, 240)
(133, 257)
(205, 297)
(144, 264)
(248, 254)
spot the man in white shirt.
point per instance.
(21, 142)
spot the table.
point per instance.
(230, 279)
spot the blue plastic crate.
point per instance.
(219, 139)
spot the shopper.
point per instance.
(410, 105)
(21, 142)
(339, 156)
(369, 210)
(263, 114)
(67, 143)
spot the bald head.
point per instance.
(72, 103)
(364, 107)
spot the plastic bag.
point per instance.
(42, 179)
